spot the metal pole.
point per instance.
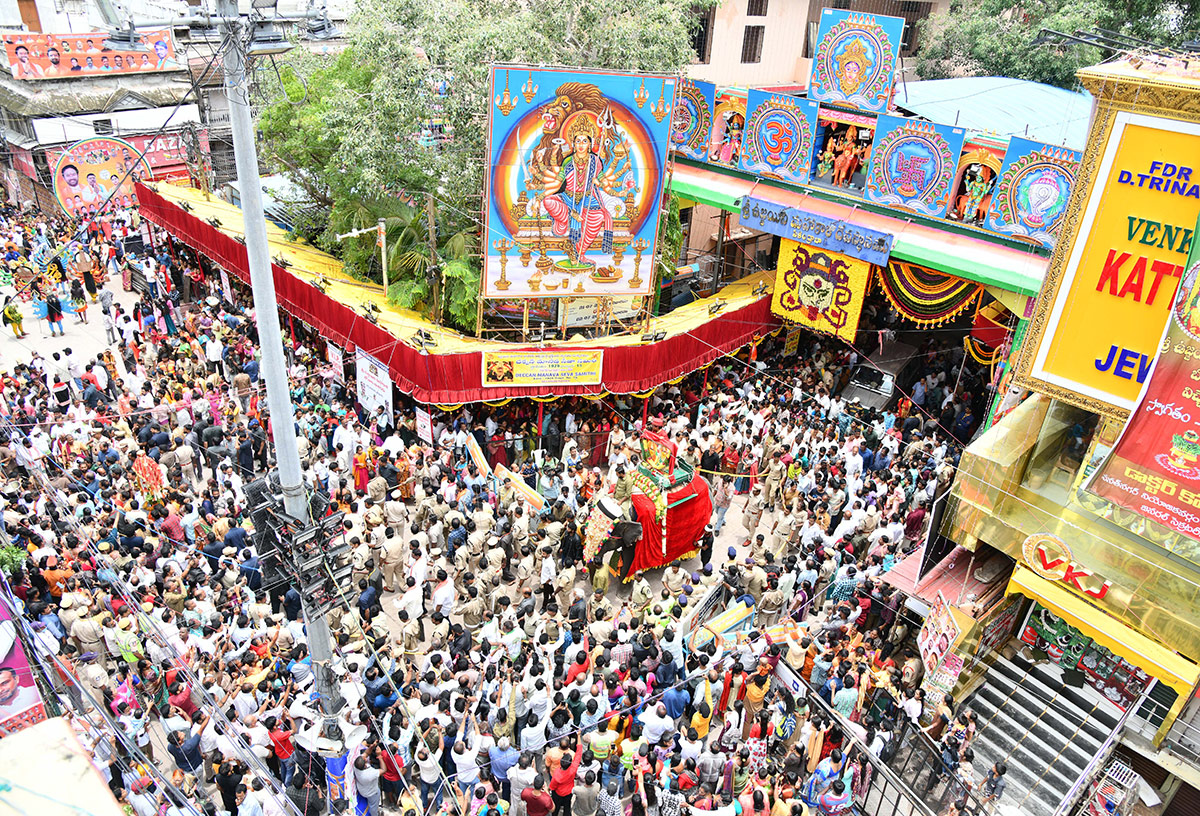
(383, 254)
(266, 312)
(719, 267)
(437, 286)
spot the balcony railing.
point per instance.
(1183, 739)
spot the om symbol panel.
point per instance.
(779, 136)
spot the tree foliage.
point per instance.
(353, 130)
(996, 37)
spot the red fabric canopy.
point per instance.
(685, 525)
(449, 379)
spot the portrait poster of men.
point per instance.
(92, 171)
(20, 701)
(56, 56)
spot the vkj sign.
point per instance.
(1050, 557)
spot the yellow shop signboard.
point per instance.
(1103, 308)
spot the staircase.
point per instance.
(1044, 731)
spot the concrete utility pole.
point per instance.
(270, 338)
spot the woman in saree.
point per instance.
(362, 473)
(404, 472)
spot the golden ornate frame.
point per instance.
(1149, 85)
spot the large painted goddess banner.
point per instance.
(855, 60)
(575, 181)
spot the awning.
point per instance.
(1015, 269)
(714, 192)
(451, 373)
(1152, 657)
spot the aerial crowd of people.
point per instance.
(487, 666)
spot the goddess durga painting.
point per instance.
(577, 164)
(580, 192)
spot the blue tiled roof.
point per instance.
(1001, 105)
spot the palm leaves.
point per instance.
(414, 275)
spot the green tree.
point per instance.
(996, 37)
(356, 131)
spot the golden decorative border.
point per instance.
(1115, 93)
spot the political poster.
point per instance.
(167, 154)
(68, 56)
(938, 635)
(92, 171)
(21, 703)
(374, 382)
(576, 168)
(820, 290)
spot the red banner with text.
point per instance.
(1154, 468)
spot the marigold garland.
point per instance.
(925, 296)
(981, 353)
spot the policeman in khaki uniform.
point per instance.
(472, 611)
(771, 604)
(409, 638)
(564, 585)
(774, 482)
(599, 607)
(394, 512)
(392, 561)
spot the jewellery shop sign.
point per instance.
(817, 230)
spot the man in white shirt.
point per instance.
(655, 723)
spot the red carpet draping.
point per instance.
(685, 525)
(448, 379)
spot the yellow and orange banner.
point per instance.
(544, 367)
(820, 290)
(476, 454)
(530, 495)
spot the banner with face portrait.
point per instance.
(33, 55)
(819, 289)
(91, 171)
(21, 703)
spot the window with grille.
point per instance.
(752, 44)
(702, 40)
(102, 127)
(756, 8)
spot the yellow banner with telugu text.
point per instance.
(547, 367)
